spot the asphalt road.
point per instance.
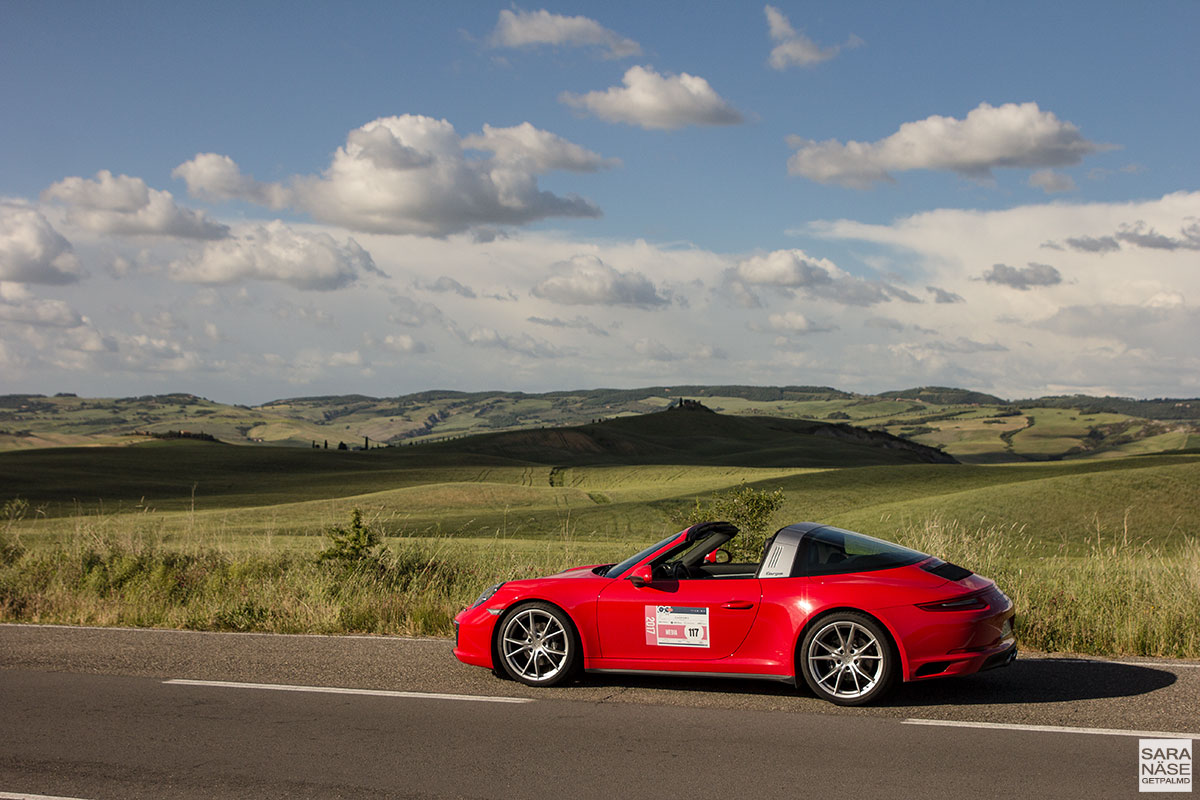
(88, 713)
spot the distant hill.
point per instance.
(693, 434)
(970, 425)
(945, 396)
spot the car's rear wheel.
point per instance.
(537, 644)
(848, 659)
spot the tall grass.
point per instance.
(1121, 596)
(125, 575)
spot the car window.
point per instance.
(833, 551)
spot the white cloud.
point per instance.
(791, 322)
(216, 177)
(793, 48)
(537, 151)
(123, 205)
(586, 280)
(1051, 182)
(792, 269)
(1113, 325)
(658, 102)
(787, 270)
(412, 174)
(275, 252)
(32, 251)
(518, 28)
(1011, 135)
(18, 305)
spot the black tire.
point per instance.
(536, 644)
(847, 658)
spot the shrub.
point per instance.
(357, 544)
(751, 510)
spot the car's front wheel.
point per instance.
(537, 645)
(847, 659)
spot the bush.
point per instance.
(357, 544)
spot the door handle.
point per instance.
(738, 605)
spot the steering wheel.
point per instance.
(680, 571)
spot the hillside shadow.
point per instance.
(1026, 681)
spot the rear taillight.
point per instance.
(967, 602)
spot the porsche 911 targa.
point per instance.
(848, 613)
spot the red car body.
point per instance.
(848, 613)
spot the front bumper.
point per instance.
(473, 630)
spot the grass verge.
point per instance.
(1118, 597)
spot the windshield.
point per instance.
(616, 570)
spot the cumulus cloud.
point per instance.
(124, 205)
(793, 48)
(32, 251)
(275, 252)
(414, 175)
(1051, 182)
(215, 177)
(1023, 278)
(793, 322)
(658, 102)
(789, 270)
(17, 304)
(990, 137)
(586, 280)
(518, 28)
(537, 151)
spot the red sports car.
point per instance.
(851, 613)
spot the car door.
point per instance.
(697, 619)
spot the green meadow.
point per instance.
(1101, 554)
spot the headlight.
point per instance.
(487, 594)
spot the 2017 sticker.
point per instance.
(677, 626)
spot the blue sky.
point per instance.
(250, 201)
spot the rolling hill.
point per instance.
(971, 426)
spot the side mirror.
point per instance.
(641, 576)
(718, 556)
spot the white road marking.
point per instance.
(283, 687)
(18, 796)
(1003, 726)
